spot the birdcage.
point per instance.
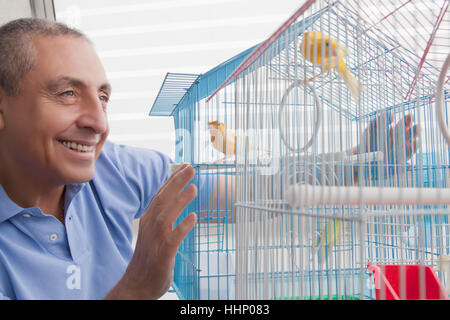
(205, 262)
(342, 170)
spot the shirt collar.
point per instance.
(71, 191)
(9, 208)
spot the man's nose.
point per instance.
(93, 115)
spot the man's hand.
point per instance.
(150, 271)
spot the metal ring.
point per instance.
(318, 111)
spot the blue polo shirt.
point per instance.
(40, 258)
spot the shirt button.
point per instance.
(53, 237)
(26, 215)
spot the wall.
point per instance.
(10, 10)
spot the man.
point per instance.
(67, 196)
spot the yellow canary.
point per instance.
(222, 139)
(329, 236)
(327, 53)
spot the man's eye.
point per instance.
(68, 93)
(104, 98)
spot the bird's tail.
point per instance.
(351, 82)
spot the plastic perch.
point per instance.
(309, 195)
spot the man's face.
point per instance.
(56, 126)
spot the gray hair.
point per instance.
(17, 53)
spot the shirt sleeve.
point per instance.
(146, 170)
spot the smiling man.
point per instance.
(67, 196)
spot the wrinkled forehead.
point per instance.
(67, 56)
(62, 47)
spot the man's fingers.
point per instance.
(176, 206)
(177, 236)
(172, 176)
(170, 190)
(167, 214)
(171, 199)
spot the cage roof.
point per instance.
(175, 85)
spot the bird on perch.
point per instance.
(327, 53)
(228, 143)
(328, 237)
(222, 139)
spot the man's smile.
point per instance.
(83, 150)
(77, 146)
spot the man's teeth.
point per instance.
(77, 146)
